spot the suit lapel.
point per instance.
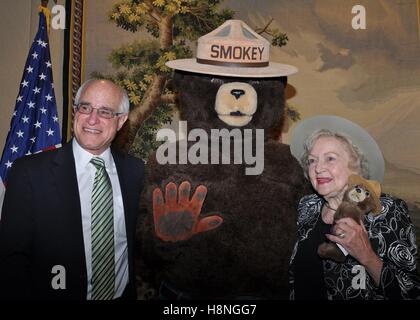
(65, 181)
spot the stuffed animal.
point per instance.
(220, 222)
(360, 198)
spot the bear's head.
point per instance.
(364, 194)
(215, 102)
(232, 84)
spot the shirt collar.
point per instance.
(83, 157)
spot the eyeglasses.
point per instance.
(102, 112)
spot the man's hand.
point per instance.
(179, 220)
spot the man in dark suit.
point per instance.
(68, 222)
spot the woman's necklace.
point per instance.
(328, 216)
(328, 206)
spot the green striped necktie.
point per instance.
(103, 273)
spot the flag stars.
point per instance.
(35, 92)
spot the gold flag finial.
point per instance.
(44, 8)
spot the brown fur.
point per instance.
(248, 255)
(351, 209)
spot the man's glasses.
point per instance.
(102, 112)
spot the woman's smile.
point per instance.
(323, 180)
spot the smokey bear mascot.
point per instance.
(221, 203)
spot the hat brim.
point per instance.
(358, 136)
(272, 70)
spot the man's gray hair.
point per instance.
(124, 104)
(357, 159)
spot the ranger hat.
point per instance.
(233, 49)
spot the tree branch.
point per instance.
(197, 13)
(141, 112)
(152, 12)
(266, 27)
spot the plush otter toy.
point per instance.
(221, 222)
(360, 198)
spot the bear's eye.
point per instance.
(367, 193)
(254, 82)
(216, 81)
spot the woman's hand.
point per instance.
(354, 238)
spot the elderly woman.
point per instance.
(382, 252)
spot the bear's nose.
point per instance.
(237, 93)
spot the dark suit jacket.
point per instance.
(41, 224)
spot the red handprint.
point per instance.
(179, 220)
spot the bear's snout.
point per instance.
(237, 93)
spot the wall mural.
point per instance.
(359, 59)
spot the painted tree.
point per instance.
(171, 25)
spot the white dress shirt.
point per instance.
(85, 172)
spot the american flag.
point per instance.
(34, 126)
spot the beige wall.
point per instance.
(19, 25)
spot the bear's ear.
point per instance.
(181, 76)
(178, 77)
(284, 81)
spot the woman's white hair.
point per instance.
(357, 159)
(124, 106)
